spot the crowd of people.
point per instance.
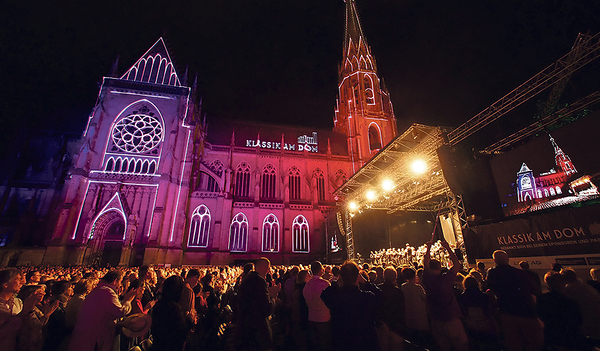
(432, 305)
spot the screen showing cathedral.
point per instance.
(557, 168)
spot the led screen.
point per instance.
(559, 168)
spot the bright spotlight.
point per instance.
(387, 185)
(419, 166)
(352, 205)
(371, 195)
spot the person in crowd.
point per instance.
(478, 317)
(353, 311)
(288, 288)
(256, 302)
(80, 291)
(392, 320)
(557, 267)
(170, 326)
(477, 275)
(595, 282)
(372, 276)
(188, 297)
(335, 275)
(515, 294)
(319, 318)
(379, 276)
(128, 278)
(33, 277)
(444, 310)
(417, 322)
(481, 269)
(95, 327)
(534, 277)
(136, 303)
(31, 337)
(561, 316)
(145, 277)
(57, 323)
(298, 328)
(588, 300)
(327, 275)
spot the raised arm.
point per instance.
(455, 261)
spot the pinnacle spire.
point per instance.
(354, 34)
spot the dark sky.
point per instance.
(276, 61)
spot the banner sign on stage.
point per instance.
(565, 232)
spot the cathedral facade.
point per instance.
(154, 183)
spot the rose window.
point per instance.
(137, 133)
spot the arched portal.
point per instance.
(107, 237)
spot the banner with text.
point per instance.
(566, 232)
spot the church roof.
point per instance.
(155, 66)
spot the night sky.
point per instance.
(276, 61)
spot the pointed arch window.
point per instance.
(369, 92)
(110, 165)
(206, 182)
(242, 180)
(300, 235)
(340, 177)
(294, 183)
(374, 137)
(320, 178)
(270, 234)
(217, 166)
(268, 179)
(238, 233)
(199, 227)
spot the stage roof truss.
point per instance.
(411, 192)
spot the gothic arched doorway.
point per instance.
(108, 235)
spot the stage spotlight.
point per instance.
(352, 206)
(387, 185)
(419, 166)
(371, 195)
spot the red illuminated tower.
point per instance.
(364, 109)
(562, 160)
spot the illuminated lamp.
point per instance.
(387, 185)
(419, 166)
(371, 195)
(352, 205)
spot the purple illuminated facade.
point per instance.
(154, 183)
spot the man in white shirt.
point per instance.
(319, 326)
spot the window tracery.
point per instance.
(270, 237)
(294, 183)
(242, 180)
(300, 234)
(238, 233)
(199, 227)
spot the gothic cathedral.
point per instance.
(152, 184)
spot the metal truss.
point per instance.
(394, 163)
(584, 51)
(349, 236)
(538, 126)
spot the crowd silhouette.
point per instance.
(405, 299)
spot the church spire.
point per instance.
(354, 34)
(562, 160)
(364, 109)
